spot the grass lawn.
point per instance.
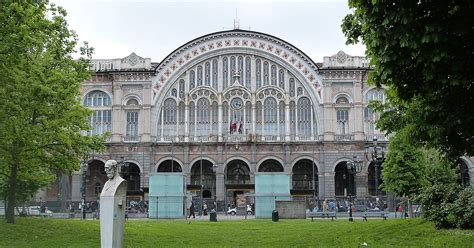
(37, 232)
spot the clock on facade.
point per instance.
(236, 103)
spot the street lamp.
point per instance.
(376, 154)
(354, 166)
(84, 167)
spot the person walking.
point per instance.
(191, 211)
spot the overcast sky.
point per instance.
(153, 29)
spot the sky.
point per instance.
(153, 29)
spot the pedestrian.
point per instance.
(191, 211)
(205, 208)
(400, 210)
(325, 205)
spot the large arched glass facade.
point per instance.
(237, 96)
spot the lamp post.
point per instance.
(377, 156)
(200, 178)
(84, 167)
(354, 166)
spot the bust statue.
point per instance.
(112, 207)
(110, 187)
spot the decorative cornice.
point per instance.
(235, 39)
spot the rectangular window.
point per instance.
(342, 121)
(132, 124)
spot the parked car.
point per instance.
(233, 211)
(36, 210)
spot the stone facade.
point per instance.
(334, 126)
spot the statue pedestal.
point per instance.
(112, 213)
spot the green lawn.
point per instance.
(36, 232)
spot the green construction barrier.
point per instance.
(166, 195)
(270, 187)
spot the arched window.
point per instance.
(133, 103)
(370, 116)
(225, 118)
(192, 80)
(305, 173)
(238, 172)
(270, 165)
(274, 75)
(97, 99)
(292, 119)
(199, 76)
(270, 116)
(248, 71)
(236, 115)
(181, 114)
(258, 72)
(214, 115)
(181, 89)
(281, 108)
(292, 87)
(304, 117)
(203, 117)
(265, 73)
(241, 69)
(281, 79)
(214, 74)
(225, 73)
(133, 109)
(192, 119)
(207, 73)
(169, 117)
(233, 66)
(101, 119)
(258, 118)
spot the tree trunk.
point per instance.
(12, 185)
(11, 194)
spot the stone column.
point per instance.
(329, 184)
(361, 184)
(117, 113)
(146, 113)
(358, 113)
(329, 116)
(220, 187)
(76, 184)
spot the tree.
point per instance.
(404, 171)
(41, 118)
(422, 50)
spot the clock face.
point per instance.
(236, 103)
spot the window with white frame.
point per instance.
(342, 121)
(101, 119)
(304, 117)
(169, 117)
(371, 116)
(270, 116)
(132, 123)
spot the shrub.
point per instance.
(448, 206)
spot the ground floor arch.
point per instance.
(305, 176)
(169, 165)
(203, 175)
(344, 182)
(270, 165)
